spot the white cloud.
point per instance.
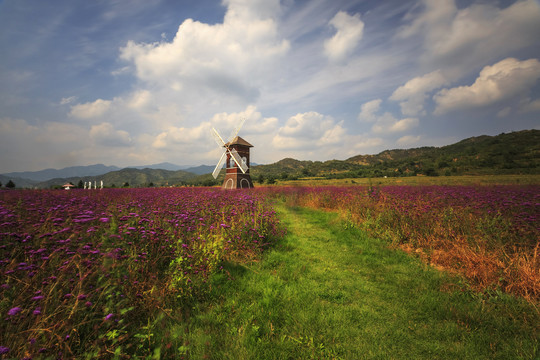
(349, 33)
(530, 105)
(462, 38)
(140, 100)
(228, 58)
(182, 136)
(308, 131)
(254, 122)
(504, 80)
(413, 94)
(368, 110)
(91, 109)
(387, 123)
(409, 140)
(106, 134)
(68, 100)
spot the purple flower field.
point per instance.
(82, 272)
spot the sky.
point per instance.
(141, 82)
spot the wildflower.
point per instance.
(82, 297)
(14, 311)
(67, 296)
(4, 350)
(36, 298)
(108, 317)
(37, 311)
(88, 304)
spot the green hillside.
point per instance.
(512, 153)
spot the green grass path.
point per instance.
(327, 291)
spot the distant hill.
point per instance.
(19, 182)
(72, 171)
(511, 153)
(133, 177)
(200, 170)
(161, 166)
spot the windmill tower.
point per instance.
(237, 171)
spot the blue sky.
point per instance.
(143, 81)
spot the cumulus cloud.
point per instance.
(476, 34)
(368, 110)
(91, 109)
(106, 134)
(386, 122)
(254, 121)
(182, 136)
(413, 94)
(308, 131)
(503, 80)
(408, 140)
(229, 58)
(200, 135)
(349, 31)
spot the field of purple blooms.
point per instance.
(490, 234)
(85, 273)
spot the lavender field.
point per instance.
(83, 272)
(94, 273)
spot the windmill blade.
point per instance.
(219, 165)
(241, 164)
(218, 138)
(235, 132)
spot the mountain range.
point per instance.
(511, 153)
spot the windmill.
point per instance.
(237, 172)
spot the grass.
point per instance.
(327, 291)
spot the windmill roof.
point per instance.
(238, 141)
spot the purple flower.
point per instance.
(37, 311)
(36, 298)
(67, 296)
(88, 304)
(4, 350)
(108, 317)
(14, 311)
(82, 297)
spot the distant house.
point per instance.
(68, 186)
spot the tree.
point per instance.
(126, 184)
(80, 185)
(10, 184)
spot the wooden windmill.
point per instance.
(237, 171)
